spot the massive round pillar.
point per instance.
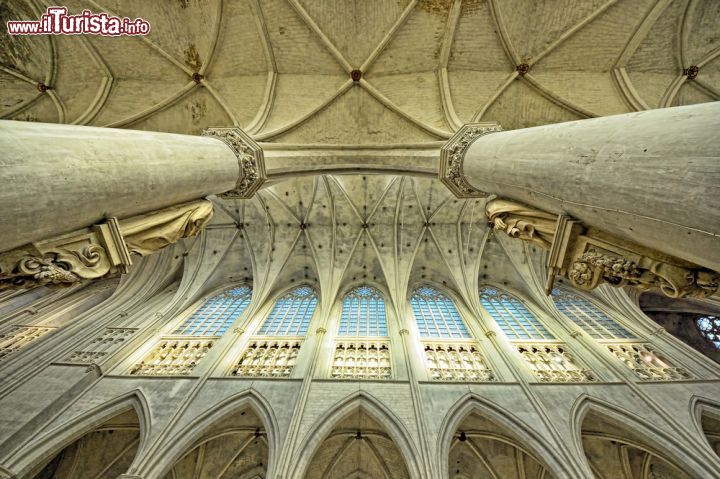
(59, 178)
(651, 177)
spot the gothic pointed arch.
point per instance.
(102, 442)
(479, 438)
(707, 419)
(621, 445)
(234, 438)
(358, 427)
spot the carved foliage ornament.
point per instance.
(102, 250)
(452, 156)
(250, 158)
(589, 257)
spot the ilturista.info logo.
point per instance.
(56, 21)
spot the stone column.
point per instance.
(651, 177)
(60, 178)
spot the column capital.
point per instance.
(404, 332)
(491, 334)
(452, 156)
(320, 331)
(250, 157)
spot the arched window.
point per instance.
(709, 327)
(363, 316)
(217, 314)
(548, 359)
(583, 313)
(436, 315)
(291, 314)
(512, 316)
(275, 357)
(363, 313)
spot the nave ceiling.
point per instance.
(334, 232)
(281, 69)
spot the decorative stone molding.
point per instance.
(551, 362)
(589, 257)
(361, 359)
(320, 331)
(250, 157)
(268, 358)
(452, 156)
(459, 362)
(102, 250)
(403, 332)
(646, 363)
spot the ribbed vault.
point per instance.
(280, 69)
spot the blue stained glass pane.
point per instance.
(363, 313)
(435, 314)
(512, 316)
(588, 317)
(215, 316)
(291, 314)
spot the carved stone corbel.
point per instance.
(452, 156)
(250, 157)
(102, 250)
(588, 257)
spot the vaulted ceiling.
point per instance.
(281, 69)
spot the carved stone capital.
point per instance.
(320, 331)
(575, 333)
(239, 331)
(452, 156)
(250, 157)
(490, 334)
(589, 257)
(404, 332)
(102, 250)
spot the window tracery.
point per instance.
(363, 314)
(548, 359)
(109, 341)
(273, 351)
(436, 315)
(458, 361)
(20, 336)
(173, 358)
(360, 359)
(588, 317)
(216, 315)
(362, 317)
(512, 316)
(291, 314)
(646, 362)
(709, 327)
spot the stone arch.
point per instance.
(618, 444)
(333, 431)
(706, 415)
(501, 433)
(242, 426)
(53, 452)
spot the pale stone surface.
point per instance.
(651, 177)
(59, 178)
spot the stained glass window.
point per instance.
(217, 314)
(436, 315)
(709, 327)
(363, 313)
(291, 314)
(583, 313)
(512, 316)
